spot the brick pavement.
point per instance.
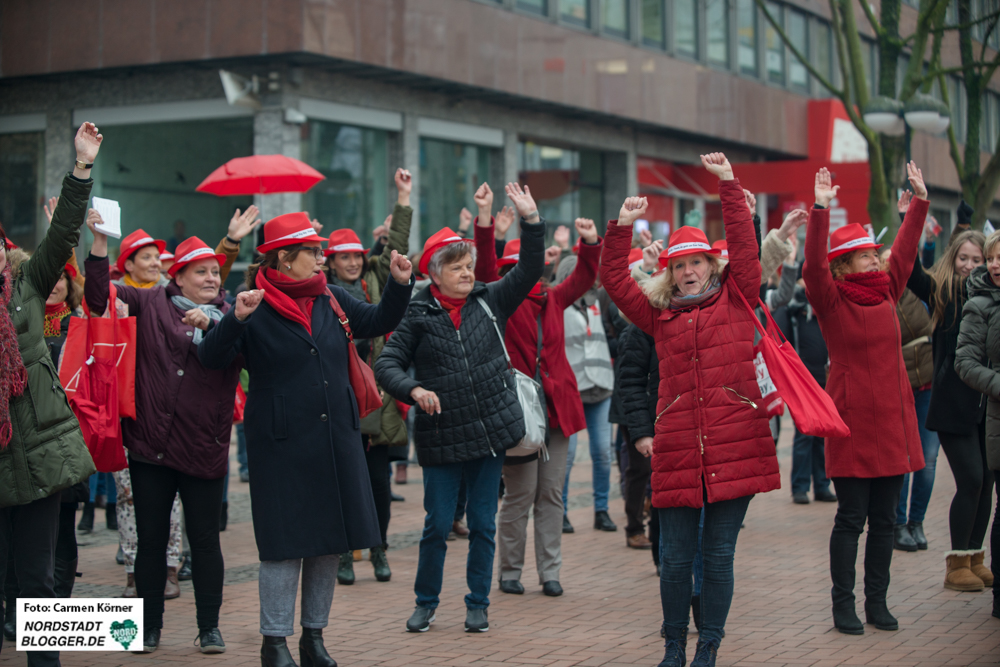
(610, 614)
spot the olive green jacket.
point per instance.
(978, 353)
(46, 453)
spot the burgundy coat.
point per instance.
(562, 397)
(184, 411)
(712, 430)
(868, 381)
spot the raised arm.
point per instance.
(585, 273)
(744, 262)
(513, 288)
(373, 320)
(820, 288)
(399, 228)
(95, 288)
(626, 294)
(240, 225)
(906, 246)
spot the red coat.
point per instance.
(868, 380)
(558, 380)
(707, 435)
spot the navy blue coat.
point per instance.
(311, 494)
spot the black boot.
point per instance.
(696, 612)
(843, 556)
(705, 654)
(917, 531)
(274, 653)
(846, 620)
(674, 649)
(110, 518)
(603, 522)
(224, 515)
(64, 575)
(86, 524)
(902, 539)
(312, 653)
(877, 614)
(184, 573)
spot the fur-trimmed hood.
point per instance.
(16, 258)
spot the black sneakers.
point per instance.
(603, 522)
(210, 641)
(421, 619)
(150, 640)
(476, 621)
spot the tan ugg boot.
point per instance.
(960, 577)
(980, 570)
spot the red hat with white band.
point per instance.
(722, 246)
(848, 239)
(511, 253)
(344, 240)
(634, 258)
(164, 256)
(286, 230)
(133, 243)
(193, 249)
(687, 241)
(437, 241)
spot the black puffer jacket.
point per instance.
(467, 369)
(639, 381)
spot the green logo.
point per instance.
(124, 633)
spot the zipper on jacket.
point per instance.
(743, 399)
(472, 385)
(657, 420)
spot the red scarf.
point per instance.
(869, 288)
(13, 377)
(293, 299)
(54, 315)
(453, 306)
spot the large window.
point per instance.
(686, 27)
(775, 47)
(653, 29)
(717, 24)
(354, 161)
(798, 33)
(868, 63)
(821, 51)
(535, 6)
(746, 30)
(614, 17)
(450, 173)
(566, 184)
(22, 163)
(152, 170)
(575, 11)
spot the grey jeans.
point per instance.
(278, 585)
(537, 484)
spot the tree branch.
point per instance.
(953, 149)
(969, 24)
(925, 18)
(870, 15)
(798, 54)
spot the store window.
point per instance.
(821, 53)
(686, 27)
(798, 34)
(653, 29)
(152, 171)
(746, 30)
(354, 160)
(717, 24)
(534, 6)
(22, 164)
(450, 173)
(614, 18)
(774, 46)
(575, 11)
(566, 184)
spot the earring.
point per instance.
(288, 266)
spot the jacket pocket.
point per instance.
(279, 429)
(739, 398)
(664, 410)
(355, 418)
(47, 397)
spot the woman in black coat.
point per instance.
(311, 495)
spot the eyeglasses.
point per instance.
(317, 253)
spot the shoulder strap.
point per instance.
(495, 326)
(341, 315)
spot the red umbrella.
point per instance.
(260, 174)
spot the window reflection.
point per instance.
(746, 27)
(717, 20)
(798, 75)
(821, 53)
(775, 47)
(566, 184)
(450, 173)
(652, 23)
(21, 177)
(536, 6)
(575, 11)
(686, 27)
(614, 17)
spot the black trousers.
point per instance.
(970, 508)
(153, 491)
(637, 475)
(32, 529)
(995, 543)
(377, 457)
(873, 501)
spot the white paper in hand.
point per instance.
(988, 228)
(111, 217)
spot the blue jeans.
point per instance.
(241, 448)
(923, 480)
(441, 483)
(599, 431)
(679, 542)
(808, 464)
(698, 570)
(102, 483)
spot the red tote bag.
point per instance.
(106, 334)
(812, 408)
(93, 387)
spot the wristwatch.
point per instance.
(80, 164)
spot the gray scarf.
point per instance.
(185, 304)
(355, 289)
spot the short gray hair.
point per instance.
(448, 254)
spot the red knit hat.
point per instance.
(511, 253)
(192, 249)
(634, 257)
(133, 243)
(723, 246)
(687, 241)
(286, 230)
(848, 239)
(437, 241)
(344, 240)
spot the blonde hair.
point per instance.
(662, 287)
(948, 284)
(992, 241)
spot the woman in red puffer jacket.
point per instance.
(712, 447)
(855, 305)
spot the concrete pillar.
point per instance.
(59, 156)
(511, 164)
(273, 136)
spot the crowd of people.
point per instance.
(490, 356)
